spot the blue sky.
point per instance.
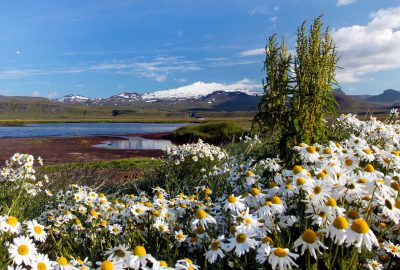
(101, 47)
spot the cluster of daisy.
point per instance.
(338, 207)
(194, 152)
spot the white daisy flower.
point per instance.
(392, 248)
(242, 242)
(203, 219)
(10, 224)
(140, 258)
(282, 258)
(119, 253)
(235, 204)
(186, 264)
(309, 240)
(36, 231)
(215, 250)
(41, 262)
(180, 237)
(337, 230)
(22, 250)
(110, 265)
(359, 234)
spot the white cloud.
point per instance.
(253, 52)
(259, 10)
(345, 2)
(35, 94)
(369, 48)
(263, 10)
(15, 73)
(273, 19)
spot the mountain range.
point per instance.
(197, 97)
(196, 91)
(216, 96)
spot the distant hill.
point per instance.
(388, 96)
(351, 104)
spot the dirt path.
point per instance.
(72, 149)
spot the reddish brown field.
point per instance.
(72, 149)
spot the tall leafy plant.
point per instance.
(298, 89)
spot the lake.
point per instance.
(84, 129)
(135, 143)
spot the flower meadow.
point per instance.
(338, 207)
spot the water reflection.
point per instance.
(135, 143)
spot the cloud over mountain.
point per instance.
(369, 48)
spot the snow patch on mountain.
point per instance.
(201, 89)
(73, 98)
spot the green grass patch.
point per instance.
(141, 163)
(216, 132)
(37, 141)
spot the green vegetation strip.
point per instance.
(141, 163)
(212, 132)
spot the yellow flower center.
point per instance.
(247, 221)
(268, 240)
(232, 199)
(300, 181)
(297, 169)
(255, 191)
(62, 261)
(309, 236)
(103, 223)
(331, 202)
(369, 168)
(276, 200)
(23, 250)
(341, 223)
(163, 263)
(362, 181)
(397, 204)
(353, 214)
(360, 226)
(139, 251)
(280, 252)
(327, 151)
(215, 245)
(200, 214)
(200, 230)
(37, 229)
(367, 151)
(93, 213)
(317, 190)
(107, 265)
(41, 266)
(348, 162)
(241, 238)
(311, 149)
(208, 191)
(249, 173)
(12, 221)
(394, 249)
(321, 175)
(180, 236)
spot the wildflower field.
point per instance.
(338, 207)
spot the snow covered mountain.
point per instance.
(198, 90)
(194, 91)
(71, 98)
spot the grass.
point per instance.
(216, 132)
(37, 141)
(141, 163)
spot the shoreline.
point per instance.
(55, 150)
